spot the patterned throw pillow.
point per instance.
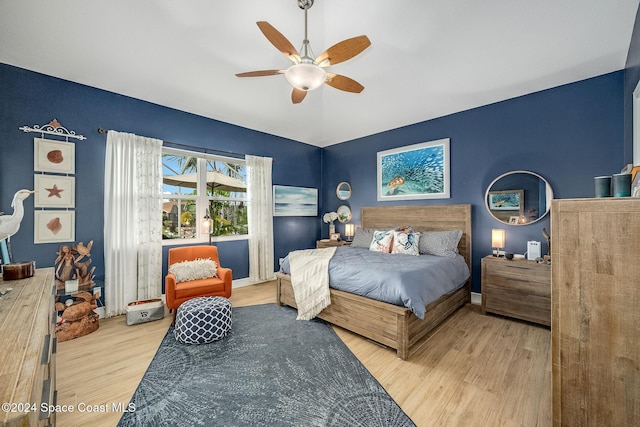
(381, 241)
(193, 270)
(440, 243)
(405, 242)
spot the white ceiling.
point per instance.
(428, 58)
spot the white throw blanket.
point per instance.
(310, 280)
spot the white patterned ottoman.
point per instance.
(202, 320)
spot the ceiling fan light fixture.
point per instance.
(305, 76)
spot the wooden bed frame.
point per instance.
(391, 325)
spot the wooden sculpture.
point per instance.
(77, 319)
(69, 266)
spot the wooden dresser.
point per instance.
(28, 347)
(519, 288)
(328, 243)
(595, 326)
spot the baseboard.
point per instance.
(476, 298)
(246, 281)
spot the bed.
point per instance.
(392, 325)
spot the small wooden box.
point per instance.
(18, 270)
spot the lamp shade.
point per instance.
(207, 224)
(349, 230)
(498, 237)
(305, 76)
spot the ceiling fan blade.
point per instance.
(298, 95)
(260, 73)
(343, 83)
(279, 41)
(342, 51)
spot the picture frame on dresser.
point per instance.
(335, 237)
(635, 185)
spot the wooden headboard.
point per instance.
(424, 218)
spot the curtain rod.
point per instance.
(195, 147)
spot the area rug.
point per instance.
(271, 370)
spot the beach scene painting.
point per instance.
(419, 171)
(294, 201)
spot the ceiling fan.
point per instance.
(307, 73)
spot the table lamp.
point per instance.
(498, 236)
(349, 230)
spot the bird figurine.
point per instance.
(10, 224)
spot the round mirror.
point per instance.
(343, 191)
(344, 214)
(518, 198)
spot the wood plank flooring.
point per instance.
(474, 370)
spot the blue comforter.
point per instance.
(405, 280)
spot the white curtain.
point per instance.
(132, 220)
(260, 213)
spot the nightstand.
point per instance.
(519, 288)
(326, 243)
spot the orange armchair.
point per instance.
(177, 293)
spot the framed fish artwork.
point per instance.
(412, 172)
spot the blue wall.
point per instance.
(631, 78)
(28, 98)
(567, 134)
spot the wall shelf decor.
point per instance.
(53, 128)
(56, 160)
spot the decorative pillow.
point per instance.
(362, 238)
(193, 270)
(440, 243)
(405, 242)
(381, 241)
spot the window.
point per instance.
(194, 182)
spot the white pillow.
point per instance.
(381, 241)
(193, 270)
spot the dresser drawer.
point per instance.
(513, 302)
(518, 288)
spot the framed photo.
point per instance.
(54, 226)
(335, 237)
(419, 171)
(635, 184)
(294, 201)
(53, 156)
(513, 219)
(506, 200)
(54, 191)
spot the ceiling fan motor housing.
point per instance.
(305, 4)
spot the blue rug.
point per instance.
(271, 370)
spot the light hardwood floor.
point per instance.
(474, 370)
